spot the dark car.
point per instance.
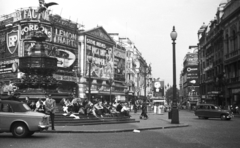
(16, 117)
(211, 111)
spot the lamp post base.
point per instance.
(175, 116)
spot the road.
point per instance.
(202, 133)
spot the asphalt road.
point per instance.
(202, 133)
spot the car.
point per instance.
(211, 111)
(16, 117)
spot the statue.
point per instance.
(44, 6)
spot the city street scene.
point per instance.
(113, 74)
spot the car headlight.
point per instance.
(44, 121)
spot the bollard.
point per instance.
(159, 110)
(169, 114)
(155, 109)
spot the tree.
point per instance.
(169, 94)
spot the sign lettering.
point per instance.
(64, 37)
(31, 14)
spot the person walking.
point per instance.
(50, 106)
(144, 110)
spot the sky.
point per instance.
(148, 23)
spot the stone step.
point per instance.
(61, 120)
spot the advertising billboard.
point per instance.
(66, 56)
(119, 64)
(9, 42)
(191, 59)
(28, 28)
(102, 55)
(31, 14)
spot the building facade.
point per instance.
(219, 43)
(190, 79)
(117, 68)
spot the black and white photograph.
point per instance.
(120, 73)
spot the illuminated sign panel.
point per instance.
(27, 29)
(31, 14)
(66, 56)
(9, 66)
(64, 37)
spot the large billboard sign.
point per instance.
(119, 64)
(9, 42)
(191, 73)
(65, 37)
(102, 55)
(64, 31)
(31, 14)
(193, 91)
(66, 56)
(9, 66)
(28, 28)
(191, 59)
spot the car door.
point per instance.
(214, 111)
(6, 113)
(0, 116)
(201, 111)
(205, 111)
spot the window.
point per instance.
(205, 107)
(213, 107)
(227, 44)
(5, 108)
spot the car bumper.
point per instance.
(230, 116)
(44, 127)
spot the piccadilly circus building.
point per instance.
(85, 59)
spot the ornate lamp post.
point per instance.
(175, 113)
(89, 77)
(146, 72)
(110, 83)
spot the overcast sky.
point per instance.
(148, 23)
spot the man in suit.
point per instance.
(50, 106)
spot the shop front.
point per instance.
(235, 97)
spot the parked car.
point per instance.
(211, 111)
(16, 117)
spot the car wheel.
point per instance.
(223, 117)
(30, 134)
(205, 117)
(20, 130)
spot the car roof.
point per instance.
(11, 101)
(206, 104)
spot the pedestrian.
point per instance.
(27, 101)
(50, 106)
(144, 110)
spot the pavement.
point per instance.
(155, 121)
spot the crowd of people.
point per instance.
(96, 107)
(38, 106)
(99, 108)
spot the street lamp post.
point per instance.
(145, 81)
(174, 111)
(110, 83)
(89, 77)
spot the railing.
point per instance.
(232, 54)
